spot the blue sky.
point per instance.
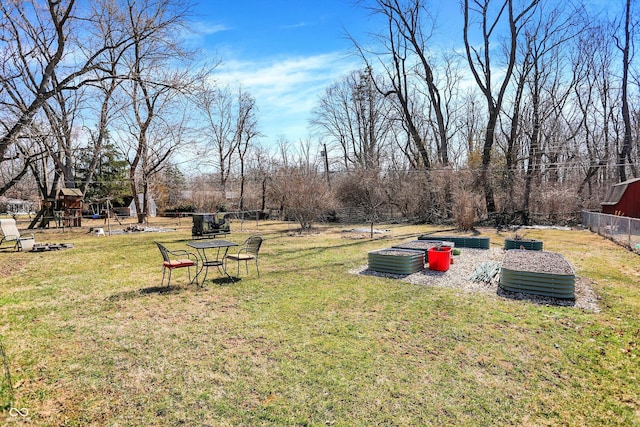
(284, 52)
(287, 52)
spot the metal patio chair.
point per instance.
(248, 251)
(177, 259)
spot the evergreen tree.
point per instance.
(111, 178)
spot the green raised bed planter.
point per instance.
(396, 261)
(462, 241)
(528, 244)
(422, 245)
(539, 273)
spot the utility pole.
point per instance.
(325, 154)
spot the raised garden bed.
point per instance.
(528, 244)
(462, 241)
(396, 261)
(423, 245)
(537, 272)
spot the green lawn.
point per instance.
(89, 339)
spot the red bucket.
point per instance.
(439, 258)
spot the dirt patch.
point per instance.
(9, 268)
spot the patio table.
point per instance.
(217, 247)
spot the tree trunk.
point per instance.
(625, 152)
(485, 179)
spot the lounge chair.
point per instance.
(11, 235)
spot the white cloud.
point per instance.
(197, 31)
(298, 25)
(208, 28)
(286, 89)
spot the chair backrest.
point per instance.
(253, 244)
(9, 229)
(163, 251)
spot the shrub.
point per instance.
(464, 213)
(304, 194)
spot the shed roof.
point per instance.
(616, 191)
(70, 192)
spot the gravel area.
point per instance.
(537, 262)
(396, 252)
(457, 277)
(421, 244)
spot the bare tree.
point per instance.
(470, 126)
(480, 63)
(595, 100)
(513, 135)
(103, 110)
(364, 188)
(229, 127)
(22, 158)
(303, 193)
(423, 90)
(545, 39)
(540, 91)
(353, 115)
(156, 119)
(62, 112)
(37, 64)
(626, 46)
(398, 70)
(246, 132)
(410, 29)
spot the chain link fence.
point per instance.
(623, 230)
